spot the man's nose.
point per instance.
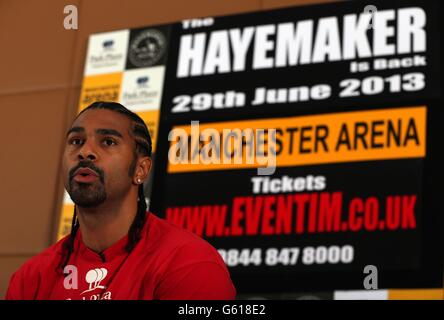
(87, 151)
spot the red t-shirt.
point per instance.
(167, 263)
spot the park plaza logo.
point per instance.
(108, 45)
(106, 53)
(107, 56)
(94, 277)
(139, 92)
(142, 82)
(142, 88)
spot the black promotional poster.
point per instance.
(302, 143)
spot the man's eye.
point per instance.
(75, 141)
(109, 142)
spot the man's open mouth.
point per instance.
(85, 175)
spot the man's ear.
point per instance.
(143, 168)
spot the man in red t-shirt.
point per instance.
(116, 249)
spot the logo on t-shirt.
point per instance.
(94, 277)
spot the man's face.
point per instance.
(99, 151)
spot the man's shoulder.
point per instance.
(25, 282)
(42, 261)
(173, 234)
(190, 267)
(179, 241)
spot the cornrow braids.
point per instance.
(68, 246)
(143, 146)
(134, 233)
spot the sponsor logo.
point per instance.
(142, 82)
(108, 44)
(94, 277)
(106, 53)
(147, 48)
(142, 88)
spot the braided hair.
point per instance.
(143, 146)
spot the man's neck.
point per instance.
(106, 224)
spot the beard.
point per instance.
(87, 195)
(90, 195)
